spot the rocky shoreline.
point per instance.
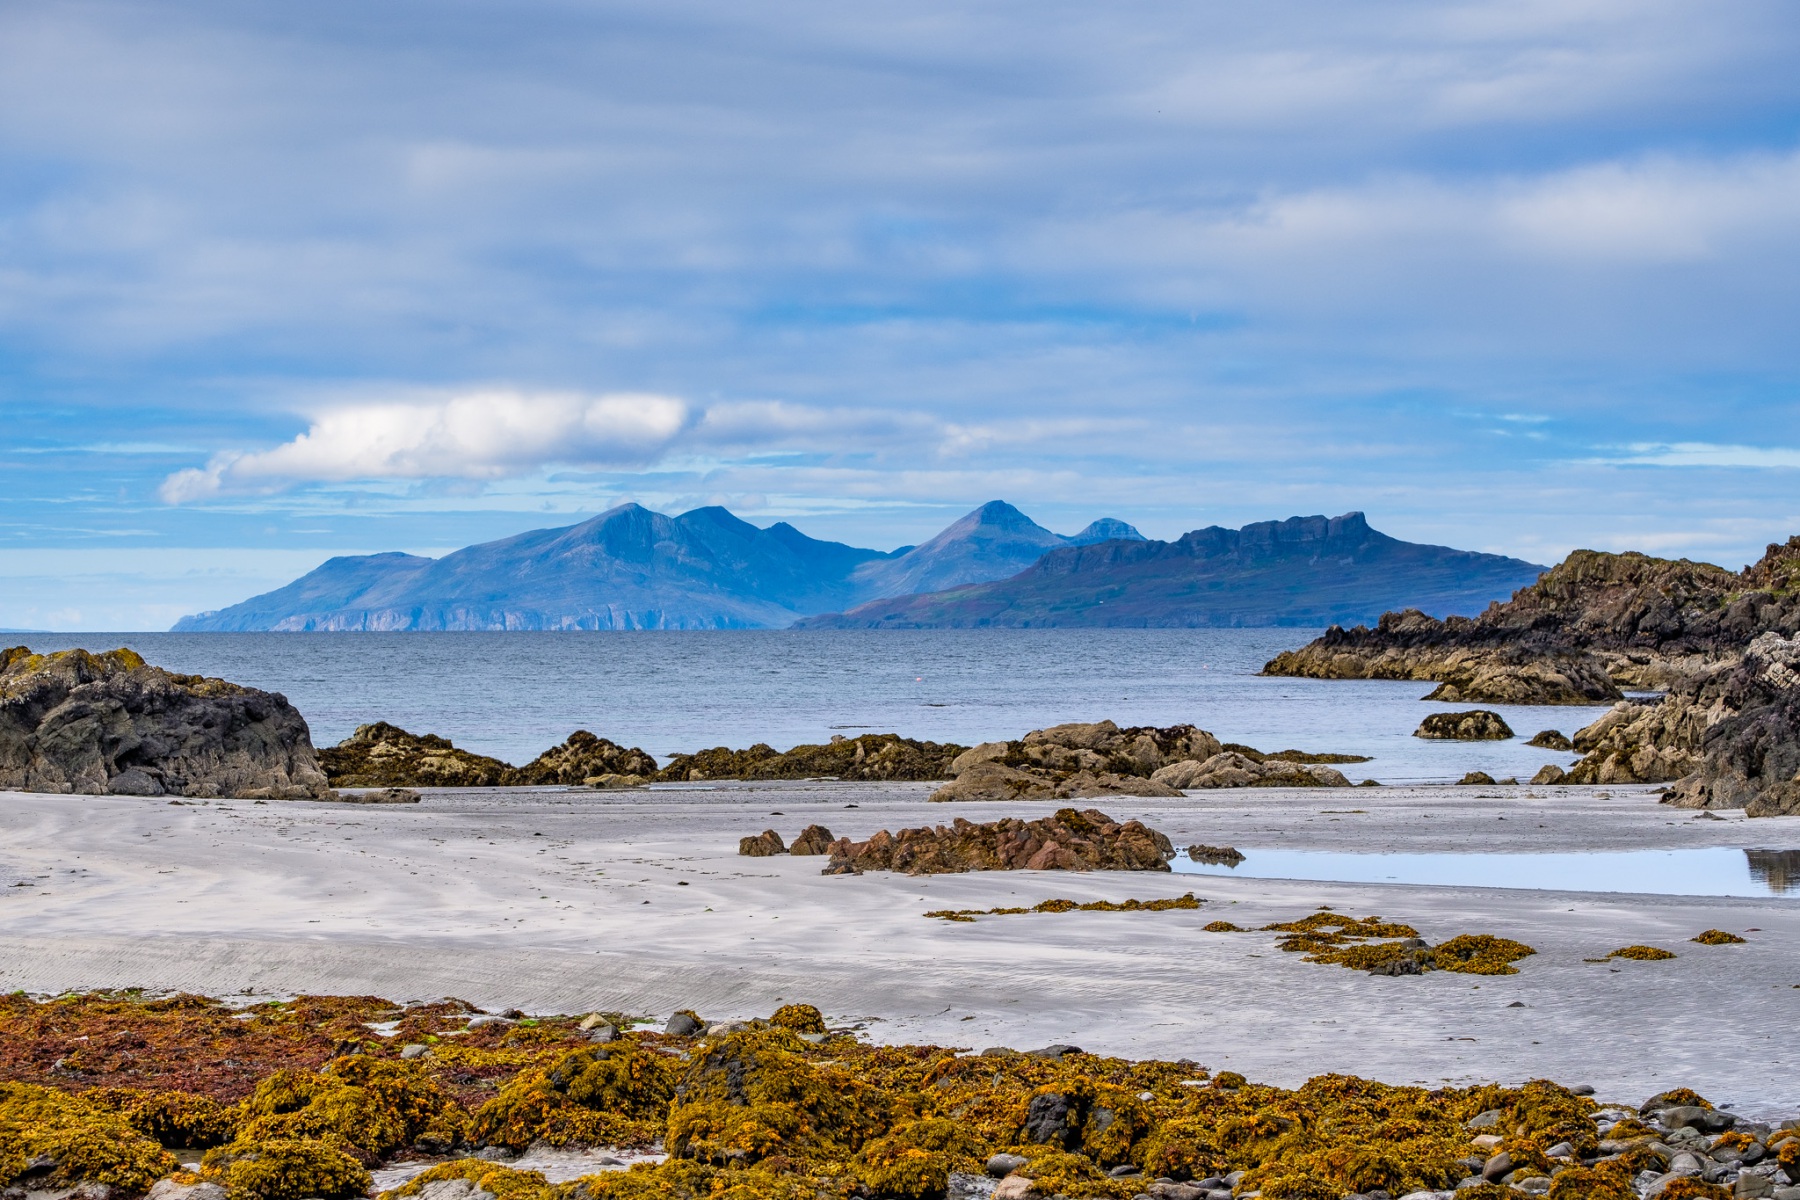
(286, 1099)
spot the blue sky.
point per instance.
(278, 282)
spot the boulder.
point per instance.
(1477, 779)
(766, 844)
(1215, 856)
(1075, 760)
(1749, 754)
(111, 724)
(1087, 840)
(1550, 773)
(1550, 739)
(814, 839)
(1476, 725)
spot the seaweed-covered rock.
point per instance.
(1088, 840)
(384, 755)
(1476, 725)
(584, 758)
(1550, 739)
(1233, 769)
(886, 756)
(74, 721)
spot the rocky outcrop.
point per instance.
(1750, 750)
(1075, 760)
(1476, 725)
(1638, 742)
(111, 724)
(766, 844)
(1087, 840)
(814, 839)
(586, 759)
(1550, 739)
(885, 756)
(1230, 768)
(384, 755)
(1591, 624)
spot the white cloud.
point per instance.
(1706, 454)
(472, 435)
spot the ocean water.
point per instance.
(514, 694)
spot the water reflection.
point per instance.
(1712, 871)
(1780, 869)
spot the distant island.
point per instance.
(631, 568)
(1304, 571)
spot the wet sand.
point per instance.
(559, 901)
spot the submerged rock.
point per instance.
(1071, 840)
(111, 724)
(1215, 856)
(1476, 725)
(1550, 739)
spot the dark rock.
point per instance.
(1053, 1052)
(393, 795)
(1478, 778)
(765, 845)
(1476, 725)
(1550, 773)
(814, 839)
(1076, 760)
(1214, 856)
(1497, 1167)
(1550, 739)
(1088, 840)
(1051, 1119)
(683, 1024)
(109, 723)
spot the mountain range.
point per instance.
(631, 568)
(1304, 571)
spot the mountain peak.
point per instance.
(1107, 529)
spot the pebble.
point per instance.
(486, 1019)
(1002, 1165)
(414, 1050)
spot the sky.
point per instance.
(279, 282)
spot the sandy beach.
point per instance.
(568, 901)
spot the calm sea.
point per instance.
(514, 694)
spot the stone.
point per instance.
(169, 1189)
(1013, 1187)
(592, 1021)
(1477, 779)
(683, 1024)
(1075, 760)
(1214, 856)
(1497, 1167)
(111, 724)
(1070, 840)
(814, 839)
(1550, 774)
(414, 1050)
(585, 758)
(1550, 739)
(485, 1020)
(601, 1034)
(1485, 1120)
(767, 844)
(1476, 725)
(1753, 1187)
(1705, 1120)
(1486, 1141)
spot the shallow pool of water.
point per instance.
(1707, 872)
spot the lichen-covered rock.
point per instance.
(885, 756)
(1476, 725)
(111, 724)
(384, 755)
(1232, 768)
(1087, 840)
(584, 759)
